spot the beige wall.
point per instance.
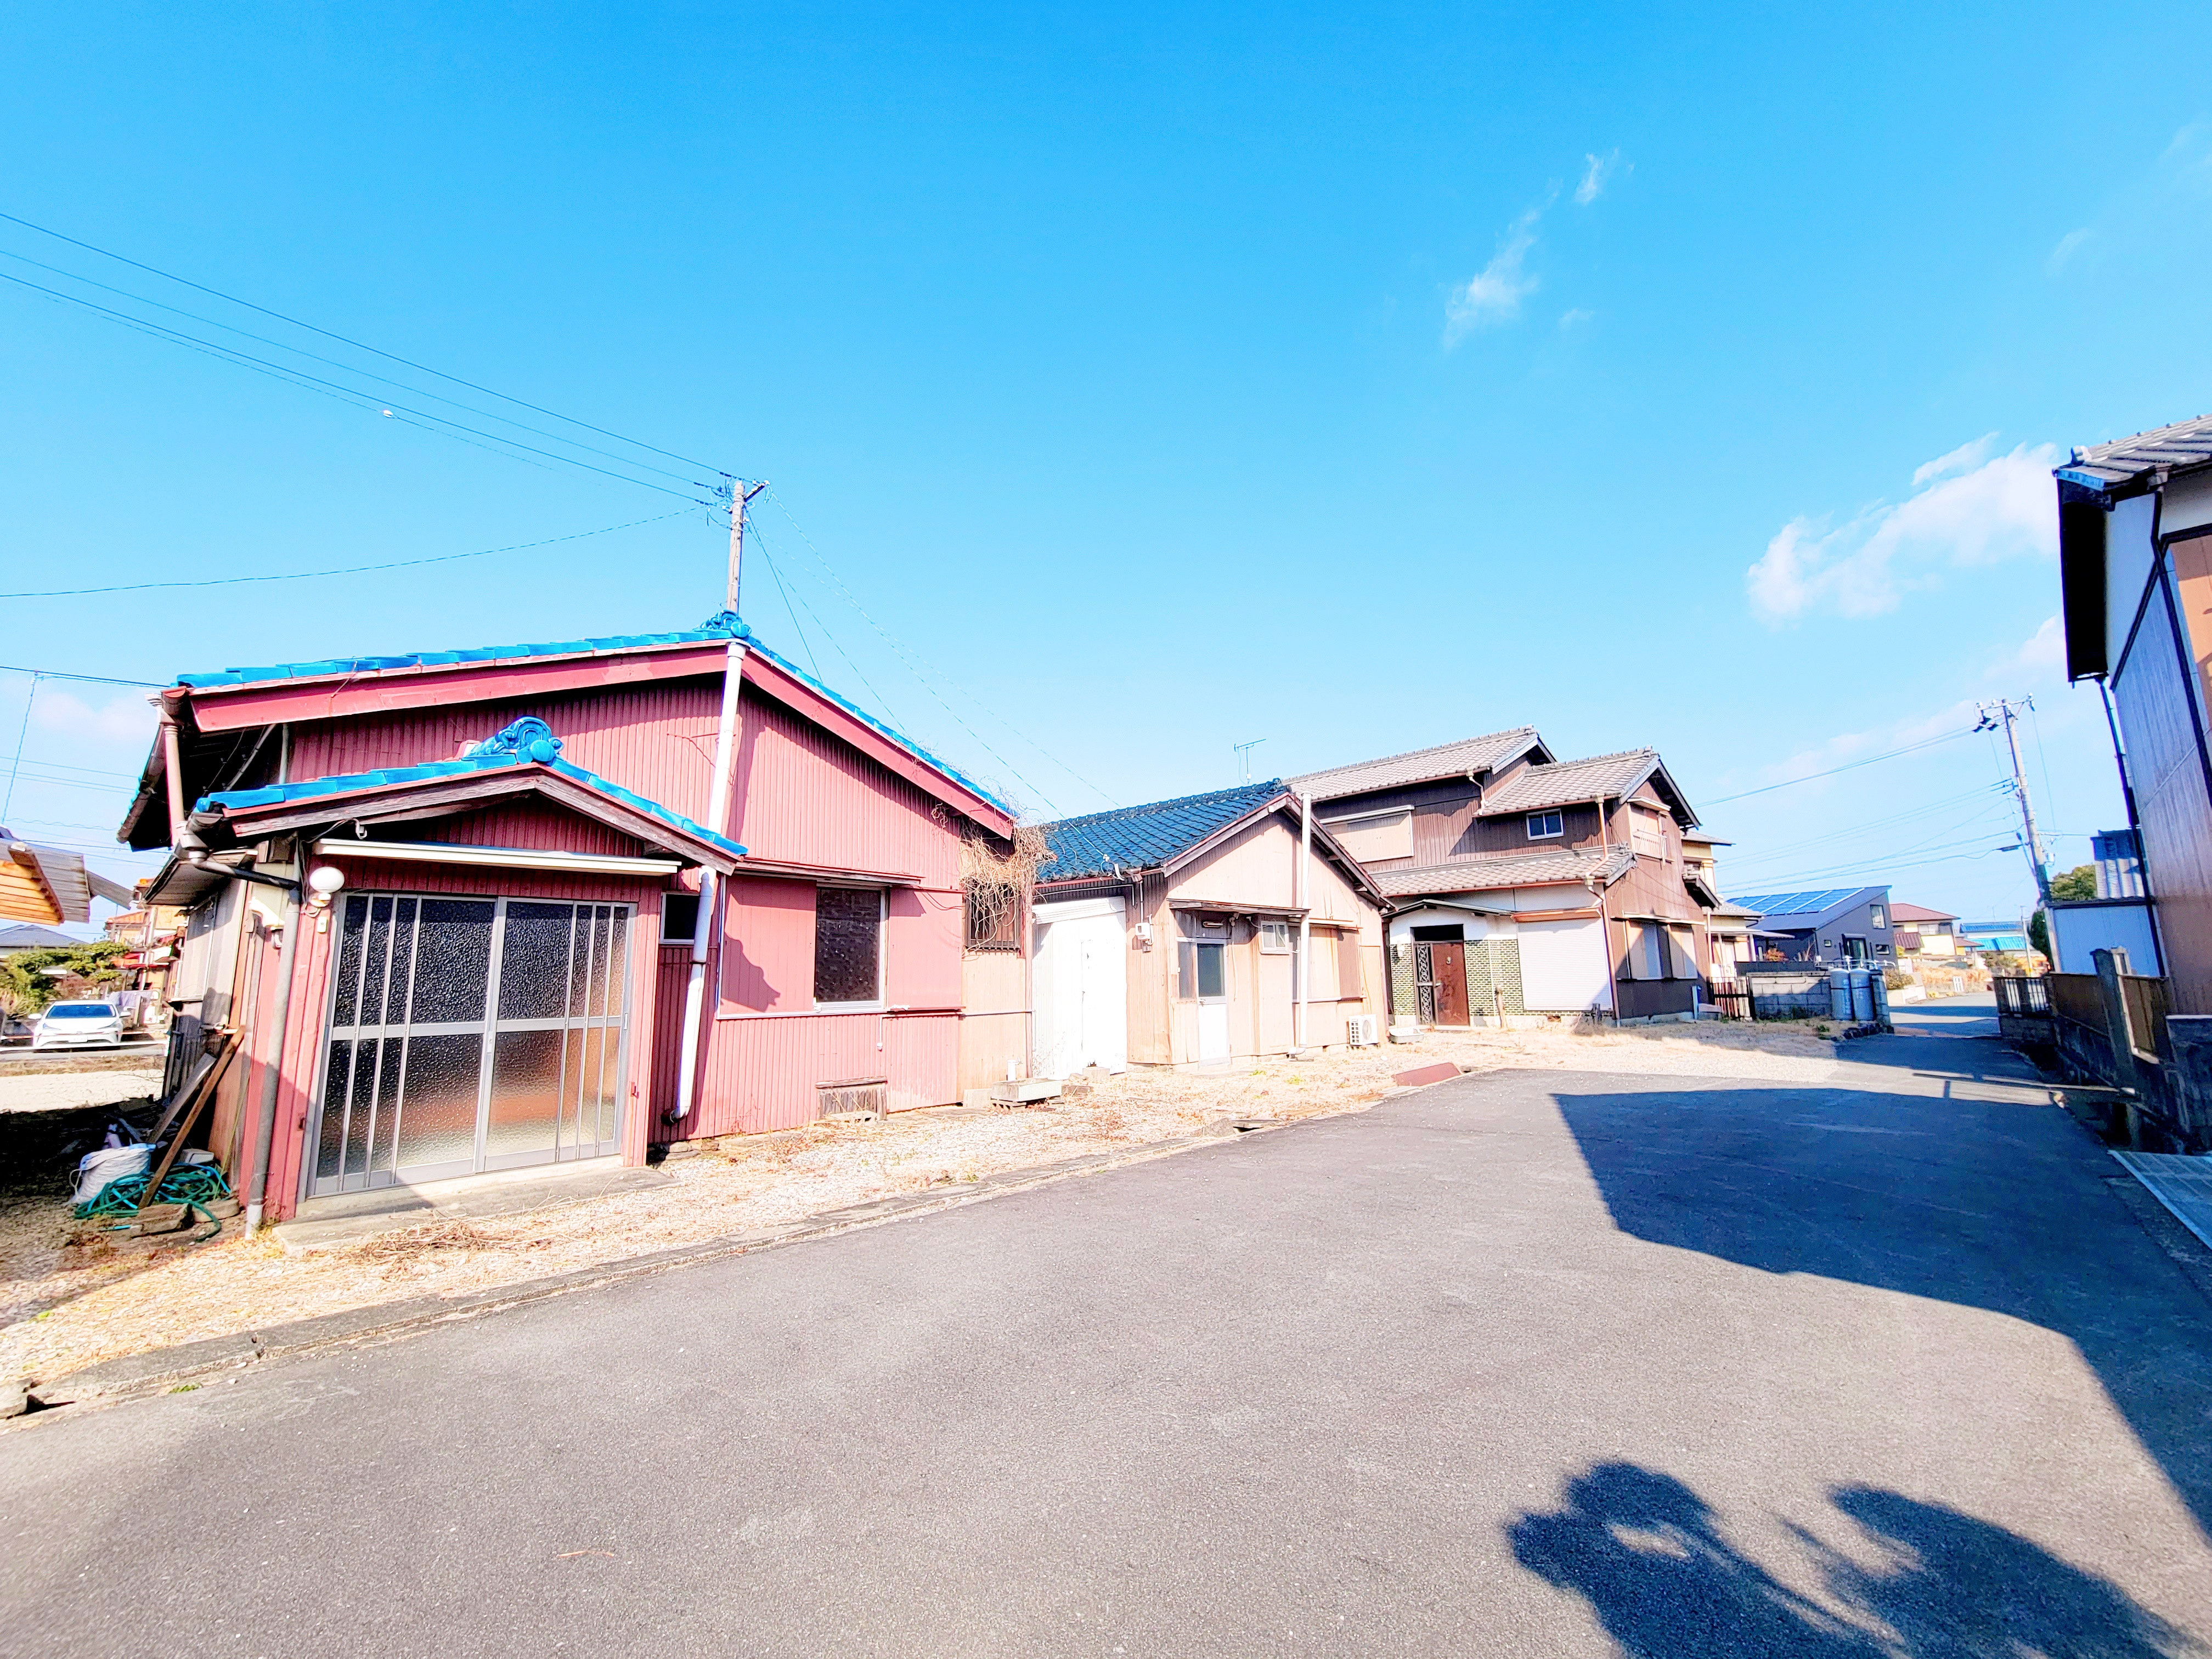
(993, 1017)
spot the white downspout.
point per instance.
(718, 801)
(1306, 903)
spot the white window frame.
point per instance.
(698, 918)
(1275, 939)
(1556, 825)
(1876, 916)
(877, 1004)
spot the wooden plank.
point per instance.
(159, 1173)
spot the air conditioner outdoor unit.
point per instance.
(1361, 1031)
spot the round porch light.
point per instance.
(326, 880)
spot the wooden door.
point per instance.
(1447, 966)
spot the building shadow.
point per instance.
(1648, 1555)
(1985, 1203)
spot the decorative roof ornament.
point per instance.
(528, 738)
(727, 623)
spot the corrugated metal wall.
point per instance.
(805, 797)
(655, 740)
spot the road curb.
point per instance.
(161, 1370)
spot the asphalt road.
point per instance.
(1530, 1362)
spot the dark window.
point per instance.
(1450, 933)
(1542, 826)
(1203, 972)
(679, 918)
(847, 930)
(994, 916)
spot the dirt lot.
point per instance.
(71, 1295)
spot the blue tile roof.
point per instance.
(1144, 837)
(347, 783)
(724, 627)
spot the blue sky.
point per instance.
(1155, 380)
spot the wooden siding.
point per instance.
(995, 1016)
(2159, 719)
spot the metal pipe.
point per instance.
(694, 991)
(1304, 885)
(264, 1129)
(173, 769)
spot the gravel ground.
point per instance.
(59, 1091)
(71, 1296)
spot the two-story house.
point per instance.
(1525, 885)
(538, 904)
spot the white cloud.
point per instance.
(2000, 509)
(1494, 295)
(1596, 173)
(1958, 461)
(127, 720)
(2044, 656)
(1575, 318)
(2069, 245)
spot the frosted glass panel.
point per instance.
(533, 967)
(378, 974)
(609, 1082)
(617, 935)
(526, 1093)
(452, 962)
(348, 968)
(336, 1082)
(364, 1105)
(440, 1123)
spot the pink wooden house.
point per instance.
(481, 909)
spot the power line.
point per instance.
(347, 570)
(92, 679)
(357, 345)
(914, 667)
(316, 357)
(1848, 766)
(423, 418)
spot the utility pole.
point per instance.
(2038, 865)
(741, 496)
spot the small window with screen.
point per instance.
(848, 924)
(679, 918)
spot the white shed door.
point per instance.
(1563, 966)
(1082, 988)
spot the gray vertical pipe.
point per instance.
(264, 1128)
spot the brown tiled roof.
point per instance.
(1917, 913)
(1446, 759)
(1570, 783)
(1510, 870)
(2185, 444)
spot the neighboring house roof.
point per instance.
(46, 883)
(2113, 465)
(1571, 783)
(1446, 759)
(526, 742)
(1729, 910)
(1900, 911)
(1554, 864)
(1805, 909)
(1134, 838)
(28, 937)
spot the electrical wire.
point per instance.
(346, 570)
(422, 418)
(333, 362)
(914, 667)
(1012, 769)
(89, 679)
(1848, 766)
(798, 633)
(357, 345)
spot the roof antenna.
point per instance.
(1244, 758)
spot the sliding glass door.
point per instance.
(470, 1034)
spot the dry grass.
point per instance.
(71, 1296)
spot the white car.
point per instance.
(77, 1025)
